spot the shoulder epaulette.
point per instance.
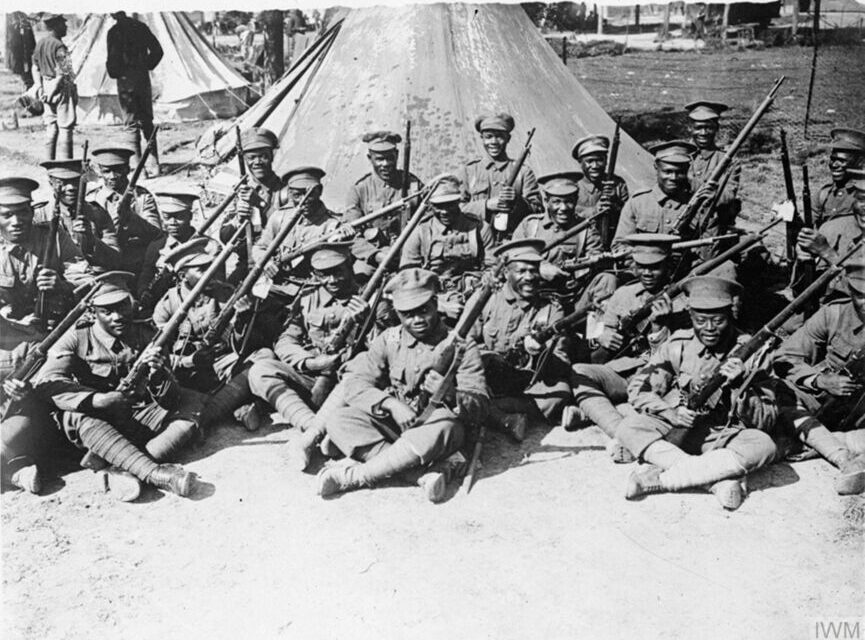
(682, 334)
(363, 177)
(474, 161)
(84, 322)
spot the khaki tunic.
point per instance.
(451, 251)
(648, 211)
(483, 179)
(371, 193)
(99, 246)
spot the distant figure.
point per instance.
(21, 43)
(247, 42)
(133, 52)
(53, 75)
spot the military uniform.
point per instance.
(371, 193)
(543, 227)
(154, 260)
(595, 149)
(649, 211)
(59, 94)
(833, 199)
(590, 194)
(451, 251)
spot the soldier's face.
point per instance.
(523, 278)
(115, 176)
(384, 163)
(672, 177)
(446, 212)
(116, 318)
(703, 133)
(67, 188)
(562, 209)
(593, 165)
(859, 207)
(59, 27)
(711, 327)
(652, 276)
(421, 321)
(296, 195)
(495, 142)
(176, 223)
(840, 161)
(258, 162)
(15, 222)
(337, 280)
(192, 275)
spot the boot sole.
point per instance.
(850, 484)
(729, 493)
(434, 486)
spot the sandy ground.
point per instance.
(544, 546)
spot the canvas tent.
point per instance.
(192, 82)
(439, 65)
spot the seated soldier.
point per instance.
(508, 348)
(835, 198)
(93, 231)
(599, 192)
(175, 207)
(599, 387)
(286, 382)
(134, 434)
(138, 224)
(713, 445)
(377, 430)
(449, 243)
(825, 361)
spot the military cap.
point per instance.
(16, 190)
(855, 272)
(651, 248)
(110, 292)
(848, 140)
(258, 138)
(703, 110)
(192, 253)
(63, 169)
(53, 17)
(590, 144)
(447, 190)
(382, 140)
(303, 177)
(411, 288)
(563, 183)
(495, 122)
(710, 292)
(674, 151)
(173, 199)
(112, 156)
(856, 178)
(522, 250)
(330, 254)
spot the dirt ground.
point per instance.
(545, 546)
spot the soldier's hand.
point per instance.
(357, 307)
(683, 417)
(836, 384)
(401, 413)
(661, 308)
(47, 279)
(810, 241)
(16, 390)
(732, 368)
(244, 204)
(450, 306)
(707, 190)
(203, 358)
(271, 269)
(473, 407)
(321, 364)
(80, 225)
(343, 233)
(611, 340)
(608, 190)
(30, 321)
(549, 271)
(507, 196)
(432, 381)
(111, 401)
(532, 346)
(153, 358)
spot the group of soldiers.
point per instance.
(393, 335)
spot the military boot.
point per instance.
(173, 478)
(28, 479)
(851, 480)
(643, 481)
(302, 448)
(619, 453)
(729, 493)
(348, 476)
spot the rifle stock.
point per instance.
(609, 176)
(221, 207)
(406, 161)
(47, 260)
(129, 192)
(82, 182)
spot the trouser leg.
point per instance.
(597, 389)
(65, 143)
(813, 433)
(286, 390)
(108, 443)
(51, 134)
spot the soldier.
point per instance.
(133, 435)
(685, 448)
(657, 209)
(138, 224)
(835, 198)
(55, 79)
(93, 231)
(133, 52)
(286, 381)
(825, 361)
(508, 348)
(704, 118)
(175, 207)
(597, 191)
(484, 179)
(598, 388)
(27, 433)
(449, 243)
(383, 185)
(382, 390)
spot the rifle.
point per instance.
(340, 336)
(250, 238)
(703, 242)
(36, 357)
(82, 182)
(609, 176)
(47, 260)
(583, 263)
(406, 160)
(697, 206)
(214, 215)
(222, 320)
(512, 178)
(794, 225)
(573, 231)
(129, 192)
(806, 267)
(165, 336)
(849, 417)
(163, 278)
(700, 396)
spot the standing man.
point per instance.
(53, 74)
(133, 52)
(383, 185)
(597, 191)
(835, 198)
(21, 43)
(484, 179)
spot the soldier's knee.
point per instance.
(753, 449)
